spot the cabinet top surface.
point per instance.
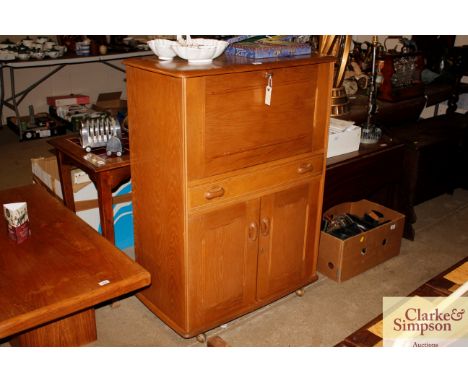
(224, 64)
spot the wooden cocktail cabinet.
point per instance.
(227, 184)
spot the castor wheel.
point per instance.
(201, 338)
(300, 292)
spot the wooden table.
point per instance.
(375, 172)
(107, 177)
(50, 283)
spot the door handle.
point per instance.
(305, 167)
(253, 231)
(214, 192)
(265, 226)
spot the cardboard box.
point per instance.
(341, 260)
(45, 172)
(344, 142)
(110, 103)
(109, 100)
(66, 100)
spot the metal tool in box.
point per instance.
(101, 132)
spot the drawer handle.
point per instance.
(214, 192)
(265, 226)
(305, 167)
(253, 231)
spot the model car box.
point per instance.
(45, 172)
(341, 260)
(110, 103)
(66, 100)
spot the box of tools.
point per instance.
(357, 236)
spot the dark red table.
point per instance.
(106, 177)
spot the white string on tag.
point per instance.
(269, 89)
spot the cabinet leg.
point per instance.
(201, 338)
(300, 292)
(216, 341)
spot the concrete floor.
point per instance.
(327, 312)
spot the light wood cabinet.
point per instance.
(227, 190)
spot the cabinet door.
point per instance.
(287, 233)
(232, 127)
(223, 249)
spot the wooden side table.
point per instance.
(50, 283)
(375, 172)
(106, 177)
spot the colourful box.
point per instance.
(268, 49)
(45, 172)
(66, 100)
(16, 215)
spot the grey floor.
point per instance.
(327, 312)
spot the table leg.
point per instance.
(106, 213)
(13, 98)
(75, 330)
(2, 94)
(66, 181)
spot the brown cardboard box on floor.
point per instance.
(341, 260)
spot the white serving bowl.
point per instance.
(220, 44)
(163, 48)
(38, 55)
(53, 53)
(61, 49)
(24, 56)
(27, 43)
(6, 56)
(49, 45)
(200, 50)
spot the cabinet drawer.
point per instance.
(253, 181)
(231, 127)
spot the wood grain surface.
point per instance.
(57, 271)
(211, 165)
(225, 64)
